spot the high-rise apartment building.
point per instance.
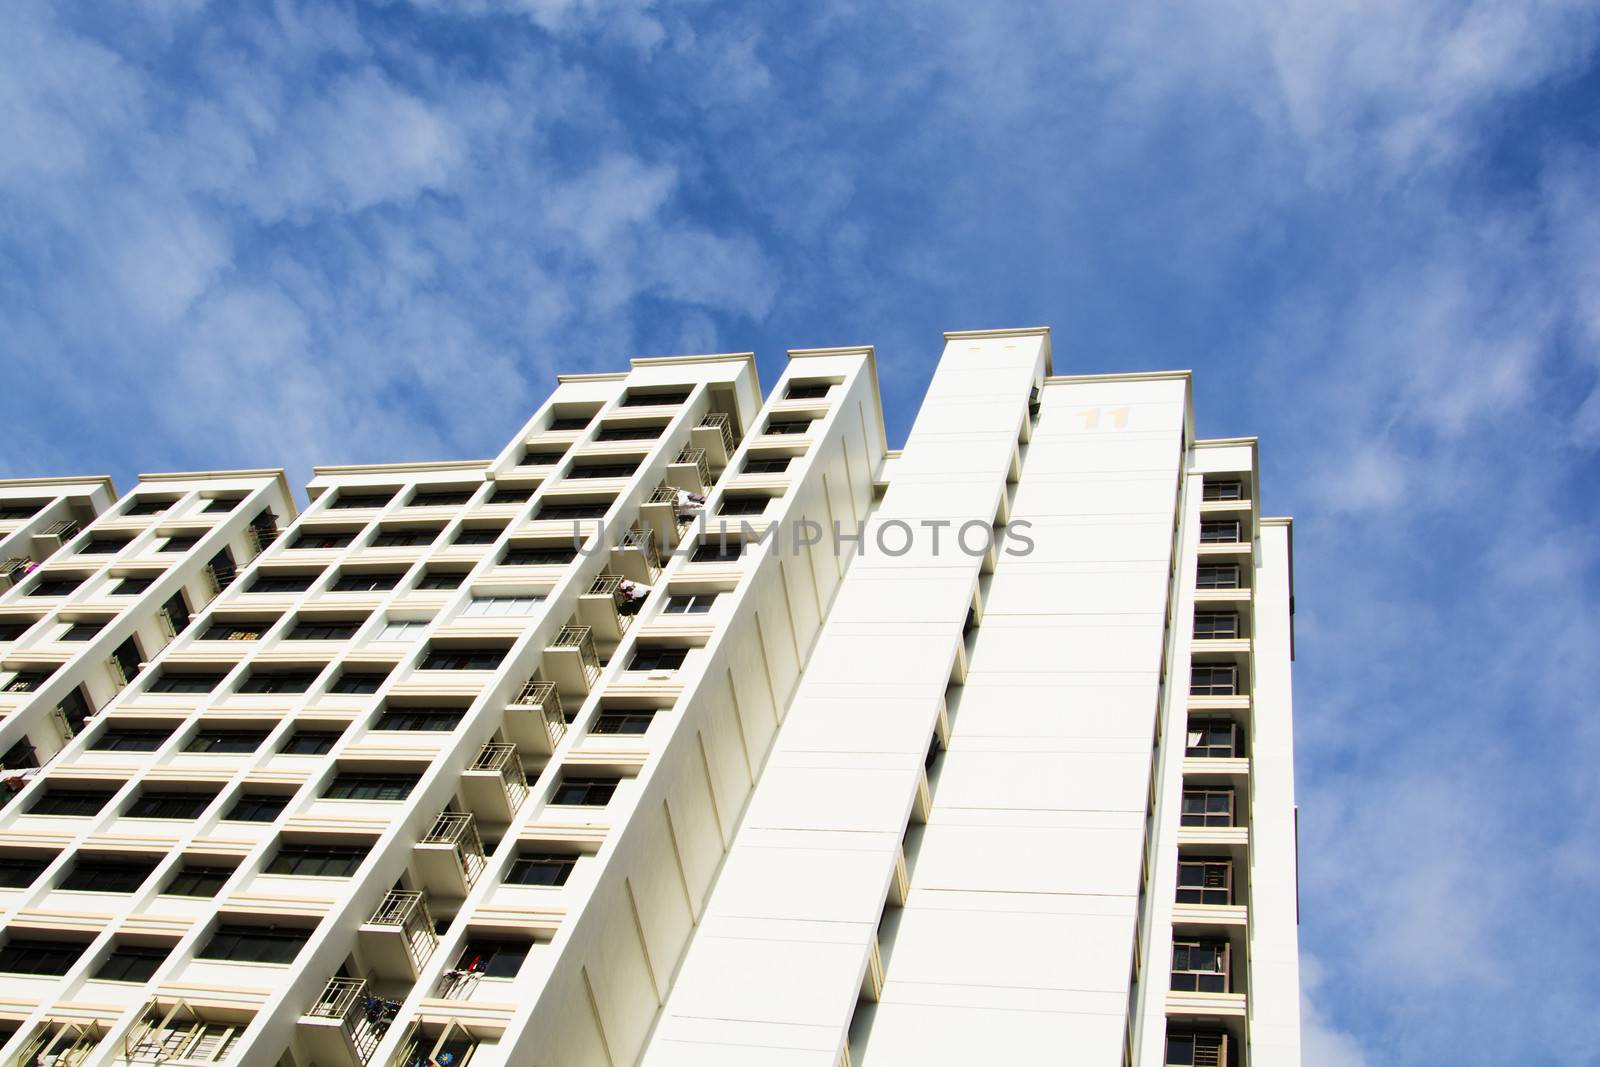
(694, 728)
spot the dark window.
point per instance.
(478, 535)
(405, 538)
(25, 955)
(26, 681)
(541, 457)
(511, 494)
(492, 959)
(20, 871)
(224, 630)
(312, 537)
(717, 551)
(1219, 532)
(179, 543)
(1222, 491)
(310, 742)
(226, 741)
(1207, 807)
(538, 557)
(257, 807)
(255, 944)
(1213, 739)
(617, 722)
(646, 400)
(807, 391)
(657, 659)
(278, 582)
(20, 509)
(1197, 1049)
(603, 470)
(593, 509)
(357, 786)
(346, 501)
(322, 861)
(1205, 881)
(147, 506)
(95, 875)
(788, 426)
(279, 682)
(356, 683)
(436, 719)
(11, 629)
(767, 465)
(573, 423)
(1217, 576)
(102, 546)
(461, 659)
(177, 609)
(1213, 680)
(323, 629)
(128, 656)
(20, 756)
(70, 802)
(132, 963)
(440, 498)
(440, 580)
(75, 708)
(132, 586)
(129, 740)
(48, 586)
(218, 505)
(540, 868)
(195, 880)
(82, 631)
(744, 505)
(1200, 966)
(688, 603)
(155, 805)
(629, 433)
(365, 581)
(586, 791)
(1216, 625)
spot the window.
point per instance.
(743, 505)
(646, 658)
(788, 426)
(1213, 680)
(1220, 532)
(1216, 626)
(402, 630)
(226, 741)
(1214, 739)
(688, 603)
(163, 1039)
(440, 579)
(439, 498)
(20, 509)
(198, 880)
(70, 802)
(646, 400)
(92, 874)
(807, 391)
(1222, 491)
(603, 470)
(585, 791)
(310, 742)
(81, 631)
(405, 538)
(20, 756)
(279, 681)
(311, 537)
(593, 509)
(177, 609)
(492, 959)
(357, 683)
(1197, 1049)
(53, 586)
(541, 457)
(228, 630)
(1207, 807)
(323, 629)
(317, 861)
(218, 505)
(478, 535)
(538, 557)
(1200, 966)
(102, 546)
(767, 464)
(11, 629)
(347, 501)
(561, 425)
(420, 719)
(148, 506)
(502, 606)
(717, 552)
(461, 659)
(362, 786)
(365, 581)
(26, 681)
(157, 805)
(540, 868)
(1205, 881)
(255, 944)
(623, 722)
(630, 433)
(511, 494)
(257, 807)
(1217, 576)
(26, 955)
(179, 543)
(132, 963)
(18, 870)
(279, 582)
(122, 739)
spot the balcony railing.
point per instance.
(119, 676)
(697, 457)
(582, 639)
(645, 542)
(720, 421)
(663, 494)
(64, 529)
(460, 830)
(407, 911)
(14, 569)
(365, 1018)
(219, 576)
(501, 759)
(543, 698)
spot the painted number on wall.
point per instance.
(1103, 418)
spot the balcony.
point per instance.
(600, 609)
(399, 938)
(571, 660)
(50, 540)
(691, 471)
(535, 720)
(659, 514)
(346, 1023)
(218, 576)
(494, 785)
(450, 855)
(13, 570)
(259, 538)
(714, 436)
(636, 555)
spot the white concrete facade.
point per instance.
(907, 772)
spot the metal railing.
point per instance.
(169, 628)
(500, 758)
(407, 911)
(365, 1018)
(544, 697)
(697, 457)
(645, 542)
(720, 421)
(663, 494)
(218, 577)
(119, 677)
(582, 639)
(14, 568)
(64, 529)
(460, 830)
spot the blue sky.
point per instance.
(315, 232)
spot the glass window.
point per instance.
(218, 505)
(310, 742)
(419, 719)
(1216, 625)
(647, 658)
(198, 880)
(402, 630)
(717, 551)
(371, 787)
(312, 537)
(646, 400)
(226, 741)
(541, 868)
(538, 557)
(688, 603)
(743, 505)
(492, 959)
(1213, 739)
(98, 875)
(129, 739)
(602, 470)
(462, 659)
(807, 391)
(224, 630)
(1200, 966)
(439, 498)
(1207, 807)
(1222, 491)
(576, 422)
(279, 682)
(277, 582)
(53, 586)
(257, 807)
(348, 500)
(541, 457)
(788, 426)
(179, 543)
(355, 683)
(102, 546)
(1216, 532)
(766, 465)
(26, 955)
(586, 791)
(1205, 881)
(1213, 680)
(317, 861)
(1217, 576)
(81, 631)
(403, 538)
(148, 506)
(440, 579)
(365, 582)
(630, 433)
(159, 805)
(70, 802)
(323, 629)
(636, 722)
(502, 606)
(255, 944)
(132, 963)
(17, 871)
(511, 494)
(593, 509)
